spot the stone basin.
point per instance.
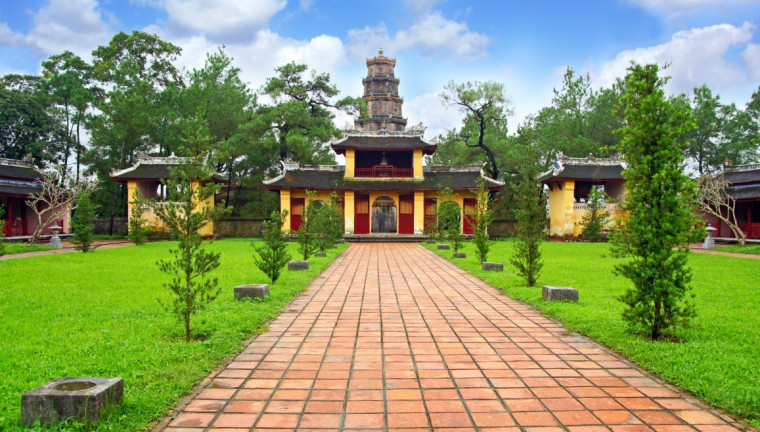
(81, 399)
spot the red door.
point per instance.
(469, 221)
(361, 214)
(296, 213)
(406, 214)
(430, 214)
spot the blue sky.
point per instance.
(524, 44)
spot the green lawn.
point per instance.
(13, 248)
(718, 358)
(751, 248)
(97, 314)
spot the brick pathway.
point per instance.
(392, 337)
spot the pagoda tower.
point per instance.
(381, 96)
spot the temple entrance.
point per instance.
(406, 214)
(384, 215)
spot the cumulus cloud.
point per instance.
(420, 7)
(751, 57)
(236, 20)
(696, 56)
(428, 109)
(680, 7)
(74, 25)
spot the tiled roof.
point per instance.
(148, 168)
(332, 178)
(743, 192)
(16, 169)
(21, 188)
(739, 175)
(383, 141)
(590, 168)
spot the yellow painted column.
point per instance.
(285, 205)
(349, 207)
(350, 162)
(460, 200)
(417, 163)
(131, 186)
(419, 212)
(569, 202)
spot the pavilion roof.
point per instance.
(155, 168)
(18, 169)
(742, 174)
(384, 141)
(589, 169)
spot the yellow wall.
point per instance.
(350, 162)
(419, 212)
(156, 224)
(417, 164)
(285, 205)
(349, 208)
(561, 218)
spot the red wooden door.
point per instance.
(469, 221)
(296, 213)
(361, 214)
(406, 214)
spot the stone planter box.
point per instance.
(430, 241)
(251, 291)
(554, 293)
(444, 246)
(492, 266)
(320, 254)
(460, 255)
(298, 265)
(82, 399)
(334, 246)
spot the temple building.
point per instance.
(743, 186)
(569, 182)
(384, 186)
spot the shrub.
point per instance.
(596, 218)
(273, 256)
(138, 225)
(306, 232)
(530, 215)
(449, 219)
(81, 223)
(483, 216)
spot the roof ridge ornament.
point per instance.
(26, 162)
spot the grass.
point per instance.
(98, 314)
(718, 358)
(753, 249)
(14, 248)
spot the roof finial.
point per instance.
(381, 50)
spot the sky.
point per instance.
(526, 45)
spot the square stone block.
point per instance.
(82, 399)
(444, 246)
(492, 266)
(430, 241)
(554, 293)
(251, 290)
(334, 246)
(320, 254)
(298, 265)
(460, 255)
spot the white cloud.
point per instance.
(679, 7)
(75, 25)
(420, 7)
(751, 57)
(696, 57)
(305, 5)
(227, 19)
(434, 33)
(428, 109)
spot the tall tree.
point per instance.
(67, 80)
(659, 205)
(135, 68)
(486, 108)
(530, 215)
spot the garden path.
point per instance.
(393, 337)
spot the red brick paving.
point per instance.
(392, 337)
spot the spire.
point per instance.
(384, 105)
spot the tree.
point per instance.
(190, 263)
(138, 225)
(273, 256)
(530, 215)
(307, 232)
(483, 216)
(659, 205)
(328, 223)
(486, 108)
(714, 199)
(449, 219)
(595, 219)
(55, 199)
(81, 224)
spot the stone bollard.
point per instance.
(430, 241)
(460, 255)
(553, 293)
(252, 291)
(334, 246)
(320, 254)
(492, 266)
(298, 265)
(444, 247)
(79, 398)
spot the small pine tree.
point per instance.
(81, 223)
(138, 225)
(483, 217)
(2, 231)
(190, 264)
(660, 203)
(430, 228)
(273, 255)
(449, 219)
(306, 232)
(530, 215)
(596, 218)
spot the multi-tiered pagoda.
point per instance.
(384, 186)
